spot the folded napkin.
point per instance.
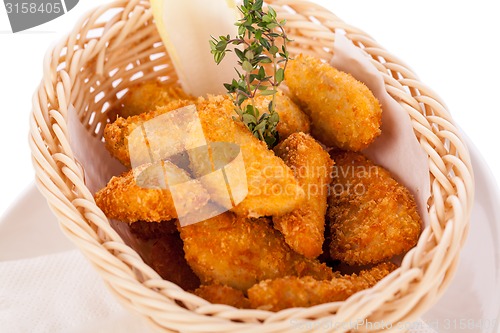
(59, 293)
(62, 293)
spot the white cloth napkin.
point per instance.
(59, 293)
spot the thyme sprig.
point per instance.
(259, 33)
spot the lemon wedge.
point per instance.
(186, 26)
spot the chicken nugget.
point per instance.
(167, 259)
(118, 133)
(272, 187)
(304, 228)
(146, 96)
(292, 119)
(221, 294)
(143, 194)
(291, 292)
(371, 216)
(343, 111)
(240, 252)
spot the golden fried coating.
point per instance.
(371, 217)
(304, 228)
(291, 292)
(343, 111)
(292, 119)
(272, 187)
(139, 195)
(221, 294)
(240, 252)
(117, 134)
(146, 96)
(167, 259)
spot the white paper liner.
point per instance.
(90, 152)
(397, 149)
(99, 166)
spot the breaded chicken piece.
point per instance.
(371, 216)
(292, 119)
(343, 111)
(221, 294)
(142, 195)
(167, 259)
(146, 96)
(291, 292)
(117, 134)
(304, 228)
(272, 187)
(240, 252)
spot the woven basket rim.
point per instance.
(426, 270)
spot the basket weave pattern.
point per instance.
(118, 44)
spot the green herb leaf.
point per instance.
(247, 66)
(262, 74)
(268, 92)
(258, 5)
(219, 56)
(259, 32)
(271, 11)
(280, 75)
(249, 119)
(241, 30)
(249, 55)
(274, 118)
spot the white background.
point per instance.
(452, 46)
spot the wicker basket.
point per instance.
(118, 44)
